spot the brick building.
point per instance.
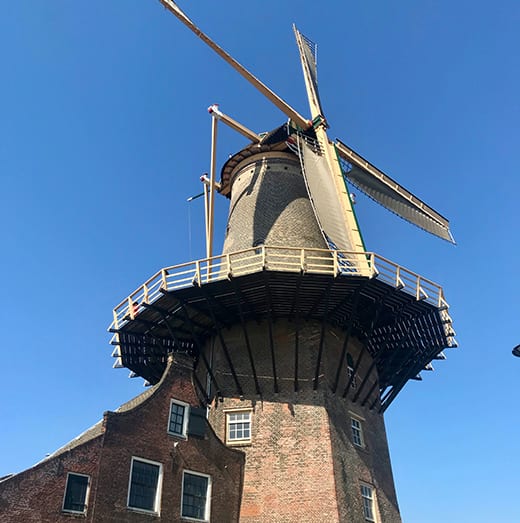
(155, 458)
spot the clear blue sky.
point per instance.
(104, 134)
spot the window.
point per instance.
(144, 492)
(76, 493)
(357, 432)
(178, 420)
(367, 495)
(196, 496)
(238, 427)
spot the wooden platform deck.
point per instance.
(401, 317)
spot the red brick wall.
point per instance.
(302, 464)
(36, 495)
(289, 472)
(142, 433)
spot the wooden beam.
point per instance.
(236, 126)
(364, 380)
(270, 95)
(354, 371)
(296, 354)
(201, 326)
(239, 301)
(223, 345)
(200, 347)
(212, 176)
(348, 332)
(166, 321)
(324, 294)
(322, 342)
(200, 387)
(270, 325)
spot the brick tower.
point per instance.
(301, 338)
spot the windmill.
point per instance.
(326, 164)
(301, 339)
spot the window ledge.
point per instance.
(183, 437)
(239, 443)
(150, 513)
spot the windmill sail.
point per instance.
(387, 192)
(308, 52)
(322, 194)
(322, 171)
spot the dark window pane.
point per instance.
(143, 486)
(194, 494)
(76, 493)
(177, 419)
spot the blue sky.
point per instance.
(104, 134)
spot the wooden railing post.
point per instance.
(228, 265)
(373, 268)
(163, 279)
(335, 265)
(131, 310)
(197, 277)
(441, 301)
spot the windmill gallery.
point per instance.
(271, 364)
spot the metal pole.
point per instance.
(213, 168)
(206, 218)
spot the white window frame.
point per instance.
(158, 491)
(207, 508)
(68, 510)
(372, 500)
(186, 406)
(239, 441)
(357, 432)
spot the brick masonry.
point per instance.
(270, 204)
(138, 429)
(302, 464)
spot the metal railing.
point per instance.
(287, 259)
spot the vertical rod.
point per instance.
(213, 168)
(206, 217)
